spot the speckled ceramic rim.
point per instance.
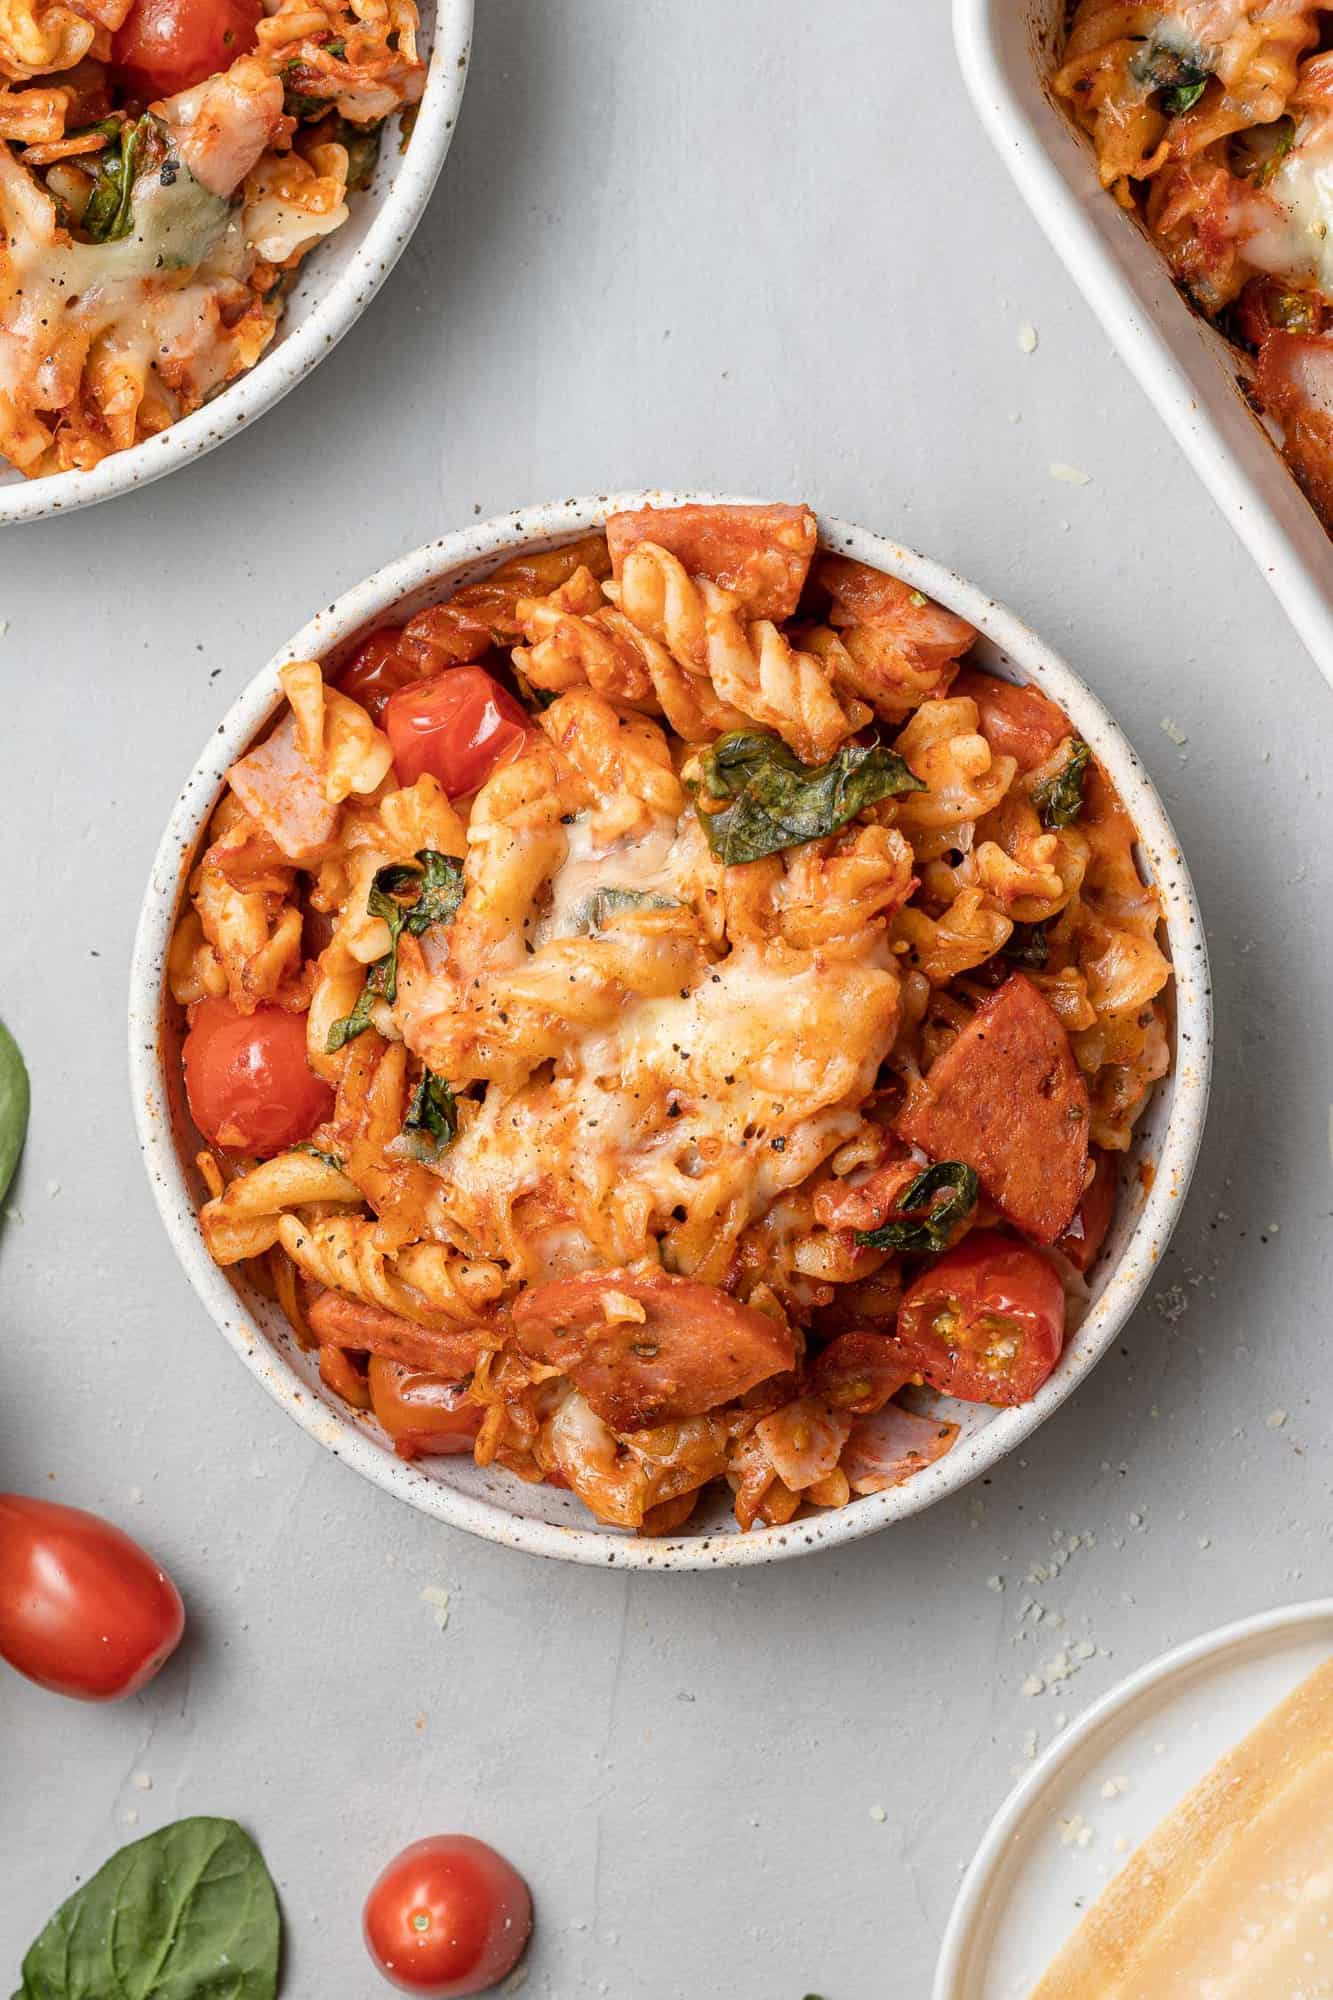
(294, 354)
(952, 1973)
(422, 577)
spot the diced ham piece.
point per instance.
(762, 553)
(859, 1372)
(342, 1322)
(1294, 384)
(1017, 722)
(804, 1441)
(865, 596)
(887, 1448)
(1009, 1100)
(284, 795)
(648, 1350)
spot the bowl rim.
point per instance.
(478, 548)
(293, 355)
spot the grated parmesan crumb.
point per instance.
(1275, 1419)
(1173, 730)
(1115, 1787)
(878, 1814)
(142, 1782)
(1075, 1832)
(1027, 338)
(1069, 475)
(437, 1597)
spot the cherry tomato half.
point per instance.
(248, 1081)
(457, 725)
(425, 1416)
(378, 670)
(163, 46)
(84, 1611)
(985, 1321)
(448, 1917)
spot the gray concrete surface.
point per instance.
(762, 246)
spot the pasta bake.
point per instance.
(165, 165)
(1211, 120)
(657, 1012)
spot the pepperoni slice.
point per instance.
(694, 1347)
(860, 1372)
(342, 1322)
(1009, 1100)
(762, 553)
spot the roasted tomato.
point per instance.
(83, 1609)
(457, 725)
(425, 1416)
(378, 671)
(448, 1917)
(985, 1321)
(163, 46)
(1092, 1218)
(248, 1081)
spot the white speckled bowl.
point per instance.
(544, 1519)
(334, 285)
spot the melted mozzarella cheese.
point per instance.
(1286, 230)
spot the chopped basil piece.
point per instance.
(592, 915)
(330, 1159)
(1181, 78)
(363, 150)
(109, 214)
(432, 1118)
(337, 49)
(959, 1185)
(1027, 944)
(777, 801)
(1183, 98)
(1059, 800)
(438, 881)
(1277, 140)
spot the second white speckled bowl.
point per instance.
(333, 287)
(543, 1519)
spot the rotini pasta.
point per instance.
(1211, 119)
(159, 187)
(620, 996)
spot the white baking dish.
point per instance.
(1007, 49)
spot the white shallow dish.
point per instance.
(1007, 52)
(1161, 1730)
(543, 1519)
(334, 285)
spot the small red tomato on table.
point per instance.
(984, 1321)
(448, 1917)
(84, 1610)
(456, 726)
(163, 46)
(247, 1079)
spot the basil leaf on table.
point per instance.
(438, 881)
(951, 1178)
(432, 1118)
(777, 801)
(1059, 800)
(188, 1913)
(15, 1101)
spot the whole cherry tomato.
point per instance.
(378, 670)
(163, 46)
(83, 1609)
(984, 1321)
(248, 1081)
(448, 1917)
(425, 1416)
(457, 725)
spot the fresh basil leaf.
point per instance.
(329, 1159)
(109, 214)
(1027, 944)
(777, 801)
(1059, 800)
(188, 1913)
(15, 1102)
(337, 49)
(958, 1183)
(594, 913)
(438, 880)
(363, 150)
(432, 1118)
(1283, 132)
(1181, 76)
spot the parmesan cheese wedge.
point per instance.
(1231, 1898)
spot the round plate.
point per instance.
(1148, 1742)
